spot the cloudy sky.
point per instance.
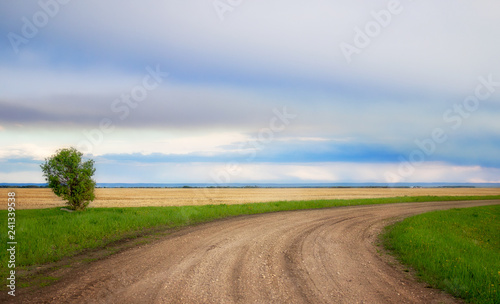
(253, 91)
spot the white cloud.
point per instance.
(26, 150)
(44, 144)
(310, 173)
(22, 177)
(299, 173)
(204, 143)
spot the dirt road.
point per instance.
(312, 256)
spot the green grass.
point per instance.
(455, 250)
(48, 235)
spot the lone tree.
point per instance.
(70, 178)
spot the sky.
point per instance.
(236, 91)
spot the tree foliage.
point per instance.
(70, 177)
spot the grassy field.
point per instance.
(48, 235)
(132, 197)
(456, 250)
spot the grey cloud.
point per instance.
(59, 111)
(176, 109)
(11, 113)
(283, 39)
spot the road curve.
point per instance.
(312, 256)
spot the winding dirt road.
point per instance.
(312, 256)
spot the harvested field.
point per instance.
(133, 197)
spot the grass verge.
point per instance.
(49, 235)
(456, 250)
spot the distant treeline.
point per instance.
(251, 187)
(25, 186)
(456, 187)
(286, 187)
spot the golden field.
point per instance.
(132, 197)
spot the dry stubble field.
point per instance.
(133, 197)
